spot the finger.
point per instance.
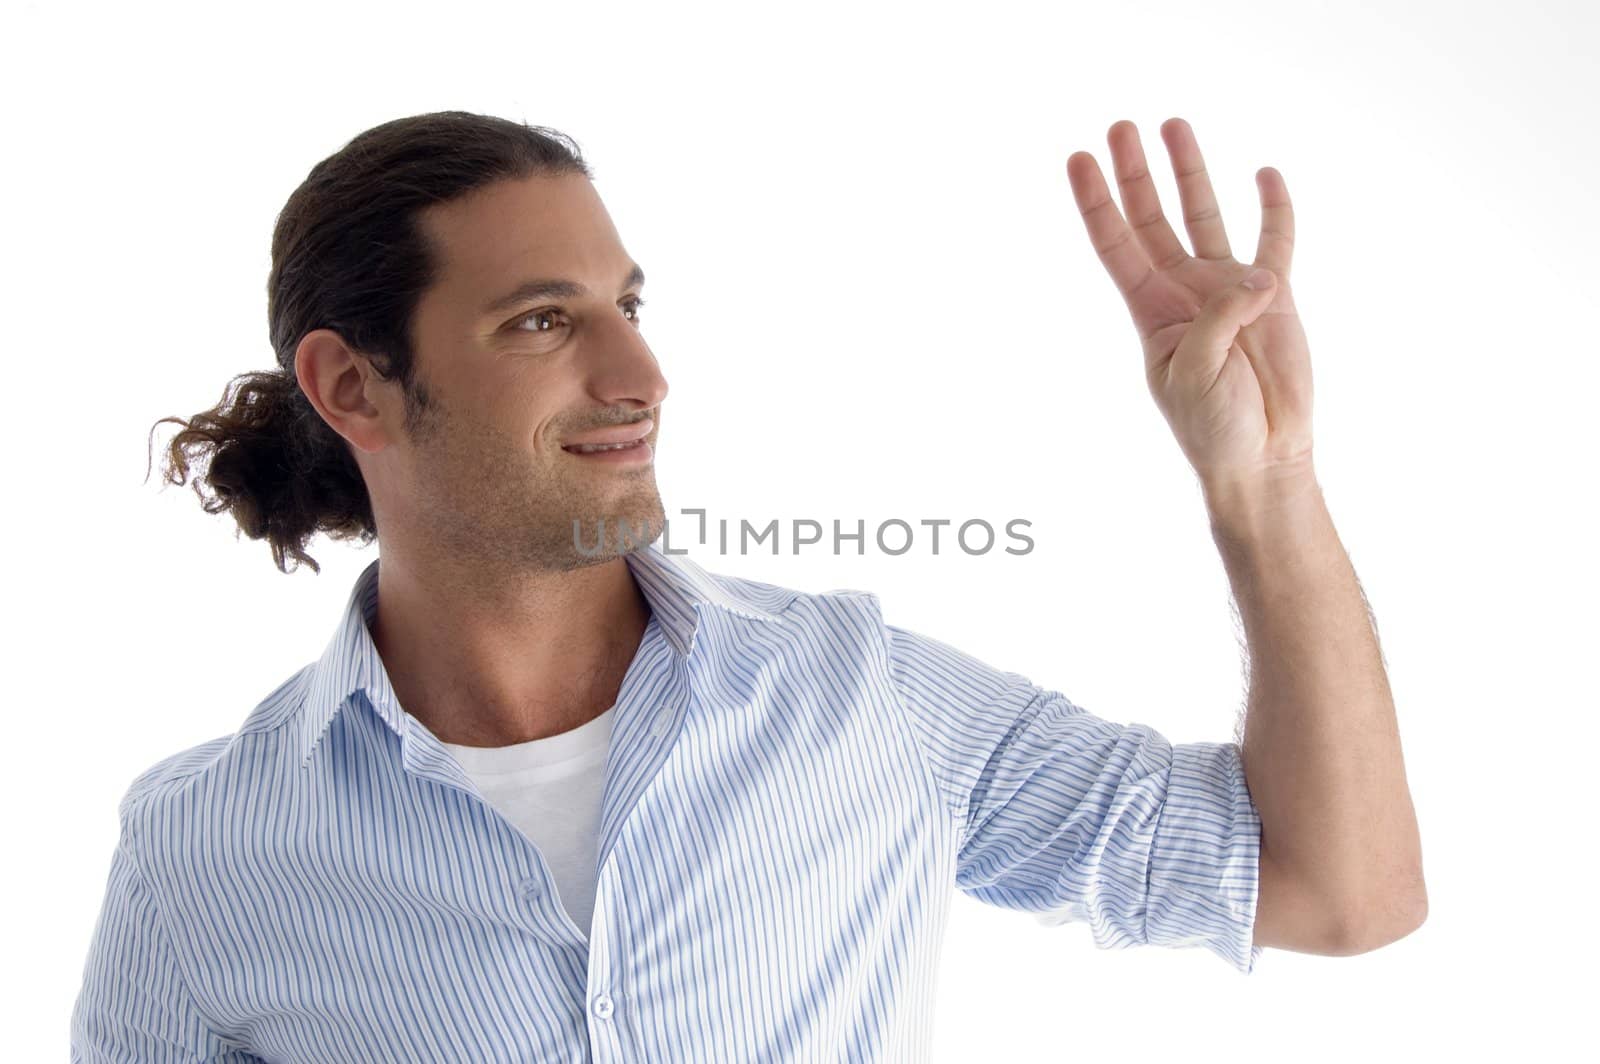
(1276, 246)
(1201, 216)
(1110, 236)
(1139, 198)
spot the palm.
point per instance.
(1235, 401)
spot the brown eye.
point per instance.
(535, 315)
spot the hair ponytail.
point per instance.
(275, 465)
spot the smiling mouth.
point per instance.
(596, 448)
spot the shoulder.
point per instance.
(832, 607)
(788, 622)
(173, 770)
(179, 775)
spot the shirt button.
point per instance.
(659, 728)
(530, 887)
(603, 1006)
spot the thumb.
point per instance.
(1205, 343)
(1237, 305)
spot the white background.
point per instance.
(873, 297)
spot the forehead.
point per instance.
(527, 226)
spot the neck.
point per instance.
(509, 660)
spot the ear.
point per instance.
(343, 388)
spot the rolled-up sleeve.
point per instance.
(133, 1004)
(1082, 820)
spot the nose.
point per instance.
(622, 369)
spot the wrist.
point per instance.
(1246, 508)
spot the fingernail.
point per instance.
(1257, 279)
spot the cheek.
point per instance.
(527, 404)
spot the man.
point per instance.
(542, 801)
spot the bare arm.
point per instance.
(1321, 747)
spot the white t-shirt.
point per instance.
(551, 789)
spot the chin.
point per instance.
(624, 528)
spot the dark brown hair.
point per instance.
(348, 254)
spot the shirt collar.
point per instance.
(674, 585)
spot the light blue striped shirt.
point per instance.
(792, 789)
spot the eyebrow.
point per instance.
(555, 288)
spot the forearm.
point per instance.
(1321, 745)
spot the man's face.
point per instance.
(484, 474)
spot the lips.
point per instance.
(602, 448)
(610, 438)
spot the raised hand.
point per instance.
(1228, 365)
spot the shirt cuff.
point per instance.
(1204, 872)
